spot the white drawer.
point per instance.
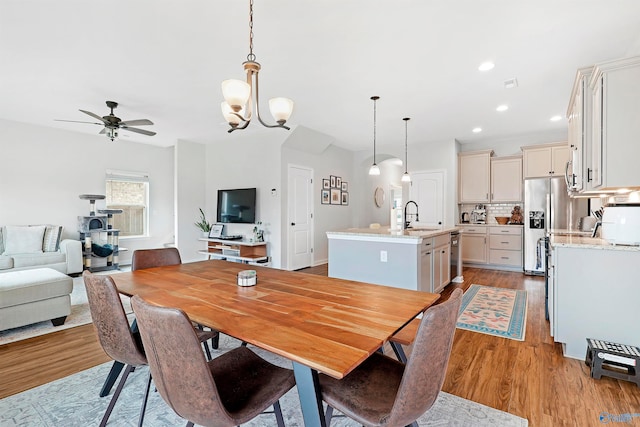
(506, 242)
(512, 258)
(511, 230)
(442, 240)
(427, 244)
(474, 230)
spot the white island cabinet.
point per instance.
(594, 293)
(410, 259)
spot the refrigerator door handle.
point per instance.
(539, 253)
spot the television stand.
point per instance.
(236, 250)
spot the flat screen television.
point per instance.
(237, 206)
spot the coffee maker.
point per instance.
(479, 215)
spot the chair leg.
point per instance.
(215, 342)
(116, 394)
(144, 401)
(207, 351)
(278, 412)
(189, 424)
(413, 424)
(328, 415)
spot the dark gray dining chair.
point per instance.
(114, 333)
(227, 391)
(149, 258)
(385, 392)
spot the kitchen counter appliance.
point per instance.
(547, 206)
(621, 224)
(479, 215)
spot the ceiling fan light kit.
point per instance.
(112, 124)
(238, 93)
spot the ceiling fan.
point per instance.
(112, 123)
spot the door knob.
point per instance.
(293, 223)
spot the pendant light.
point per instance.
(374, 169)
(405, 175)
(238, 93)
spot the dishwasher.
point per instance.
(455, 259)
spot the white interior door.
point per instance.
(427, 190)
(300, 218)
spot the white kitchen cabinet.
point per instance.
(505, 246)
(545, 160)
(506, 179)
(426, 265)
(579, 127)
(441, 262)
(474, 176)
(615, 90)
(474, 244)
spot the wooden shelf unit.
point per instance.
(238, 250)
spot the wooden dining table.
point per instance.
(321, 324)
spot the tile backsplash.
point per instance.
(493, 210)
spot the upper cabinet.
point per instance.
(483, 179)
(579, 123)
(545, 160)
(474, 177)
(506, 179)
(615, 148)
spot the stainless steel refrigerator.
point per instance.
(547, 206)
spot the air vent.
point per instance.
(511, 83)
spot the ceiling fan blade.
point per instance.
(142, 131)
(103, 131)
(139, 122)
(95, 116)
(77, 121)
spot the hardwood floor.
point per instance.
(527, 378)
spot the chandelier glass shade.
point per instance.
(405, 176)
(374, 169)
(240, 96)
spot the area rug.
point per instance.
(80, 315)
(494, 311)
(73, 401)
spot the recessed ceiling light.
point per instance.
(476, 130)
(555, 118)
(486, 66)
(503, 107)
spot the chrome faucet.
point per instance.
(406, 223)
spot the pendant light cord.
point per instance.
(374, 98)
(251, 57)
(406, 121)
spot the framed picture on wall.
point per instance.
(335, 197)
(345, 198)
(325, 197)
(333, 181)
(338, 182)
(326, 184)
(345, 186)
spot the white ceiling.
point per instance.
(164, 60)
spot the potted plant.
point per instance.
(203, 224)
(258, 232)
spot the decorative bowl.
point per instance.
(502, 220)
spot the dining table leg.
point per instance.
(310, 397)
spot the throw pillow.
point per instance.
(23, 240)
(52, 234)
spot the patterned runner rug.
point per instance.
(494, 311)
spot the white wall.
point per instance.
(44, 170)
(190, 195)
(329, 161)
(246, 161)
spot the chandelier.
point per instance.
(405, 176)
(237, 93)
(374, 169)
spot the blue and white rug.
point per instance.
(74, 401)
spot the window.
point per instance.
(129, 191)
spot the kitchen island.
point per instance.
(418, 259)
(594, 291)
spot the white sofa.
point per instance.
(38, 246)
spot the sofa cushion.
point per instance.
(20, 240)
(42, 258)
(51, 241)
(6, 262)
(19, 287)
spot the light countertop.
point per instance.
(415, 234)
(492, 224)
(577, 241)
